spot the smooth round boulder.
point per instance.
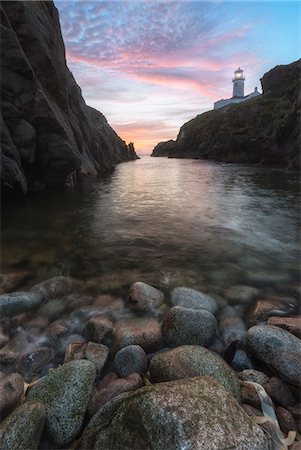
(185, 326)
(143, 297)
(129, 360)
(18, 302)
(65, 392)
(23, 428)
(191, 298)
(277, 348)
(190, 361)
(196, 413)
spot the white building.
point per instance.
(238, 91)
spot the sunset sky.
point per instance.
(149, 66)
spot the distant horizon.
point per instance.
(150, 66)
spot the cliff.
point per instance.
(48, 133)
(263, 130)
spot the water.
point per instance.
(165, 221)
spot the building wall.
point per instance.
(229, 101)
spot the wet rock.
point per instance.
(144, 332)
(241, 293)
(232, 329)
(10, 353)
(11, 391)
(277, 348)
(4, 338)
(36, 326)
(62, 344)
(129, 360)
(191, 361)
(75, 351)
(99, 329)
(57, 330)
(291, 324)
(97, 354)
(23, 428)
(65, 392)
(55, 287)
(52, 310)
(191, 298)
(272, 306)
(267, 277)
(286, 420)
(253, 375)
(184, 326)
(249, 396)
(143, 297)
(296, 412)
(31, 363)
(116, 387)
(237, 356)
(179, 414)
(18, 302)
(251, 411)
(11, 281)
(279, 392)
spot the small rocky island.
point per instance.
(49, 136)
(264, 130)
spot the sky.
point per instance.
(150, 66)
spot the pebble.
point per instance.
(143, 297)
(130, 359)
(185, 326)
(291, 324)
(145, 332)
(277, 348)
(55, 287)
(191, 361)
(31, 363)
(18, 302)
(272, 306)
(191, 298)
(253, 375)
(23, 428)
(65, 392)
(279, 392)
(232, 329)
(241, 293)
(11, 391)
(97, 354)
(99, 329)
(286, 420)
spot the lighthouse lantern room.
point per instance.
(238, 83)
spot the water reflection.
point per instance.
(163, 220)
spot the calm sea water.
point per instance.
(165, 221)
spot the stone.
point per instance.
(65, 392)
(236, 354)
(253, 375)
(11, 391)
(31, 363)
(277, 348)
(291, 324)
(180, 414)
(11, 352)
(232, 329)
(18, 302)
(75, 351)
(116, 387)
(23, 428)
(273, 306)
(99, 329)
(97, 354)
(184, 326)
(52, 310)
(191, 298)
(129, 360)
(286, 420)
(190, 361)
(138, 331)
(249, 396)
(143, 297)
(279, 392)
(56, 330)
(4, 338)
(11, 281)
(55, 287)
(241, 293)
(296, 412)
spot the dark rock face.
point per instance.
(48, 134)
(264, 130)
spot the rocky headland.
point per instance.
(264, 130)
(148, 367)
(49, 136)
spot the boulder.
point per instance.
(138, 331)
(195, 413)
(291, 324)
(97, 354)
(129, 360)
(23, 428)
(65, 392)
(99, 329)
(191, 361)
(18, 302)
(184, 326)
(191, 298)
(277, 348)
(32, 362)
(143, 297)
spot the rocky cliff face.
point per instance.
(263, 130)
(48, 134)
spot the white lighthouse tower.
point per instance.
(238, 83)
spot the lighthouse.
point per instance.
(238, 83)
